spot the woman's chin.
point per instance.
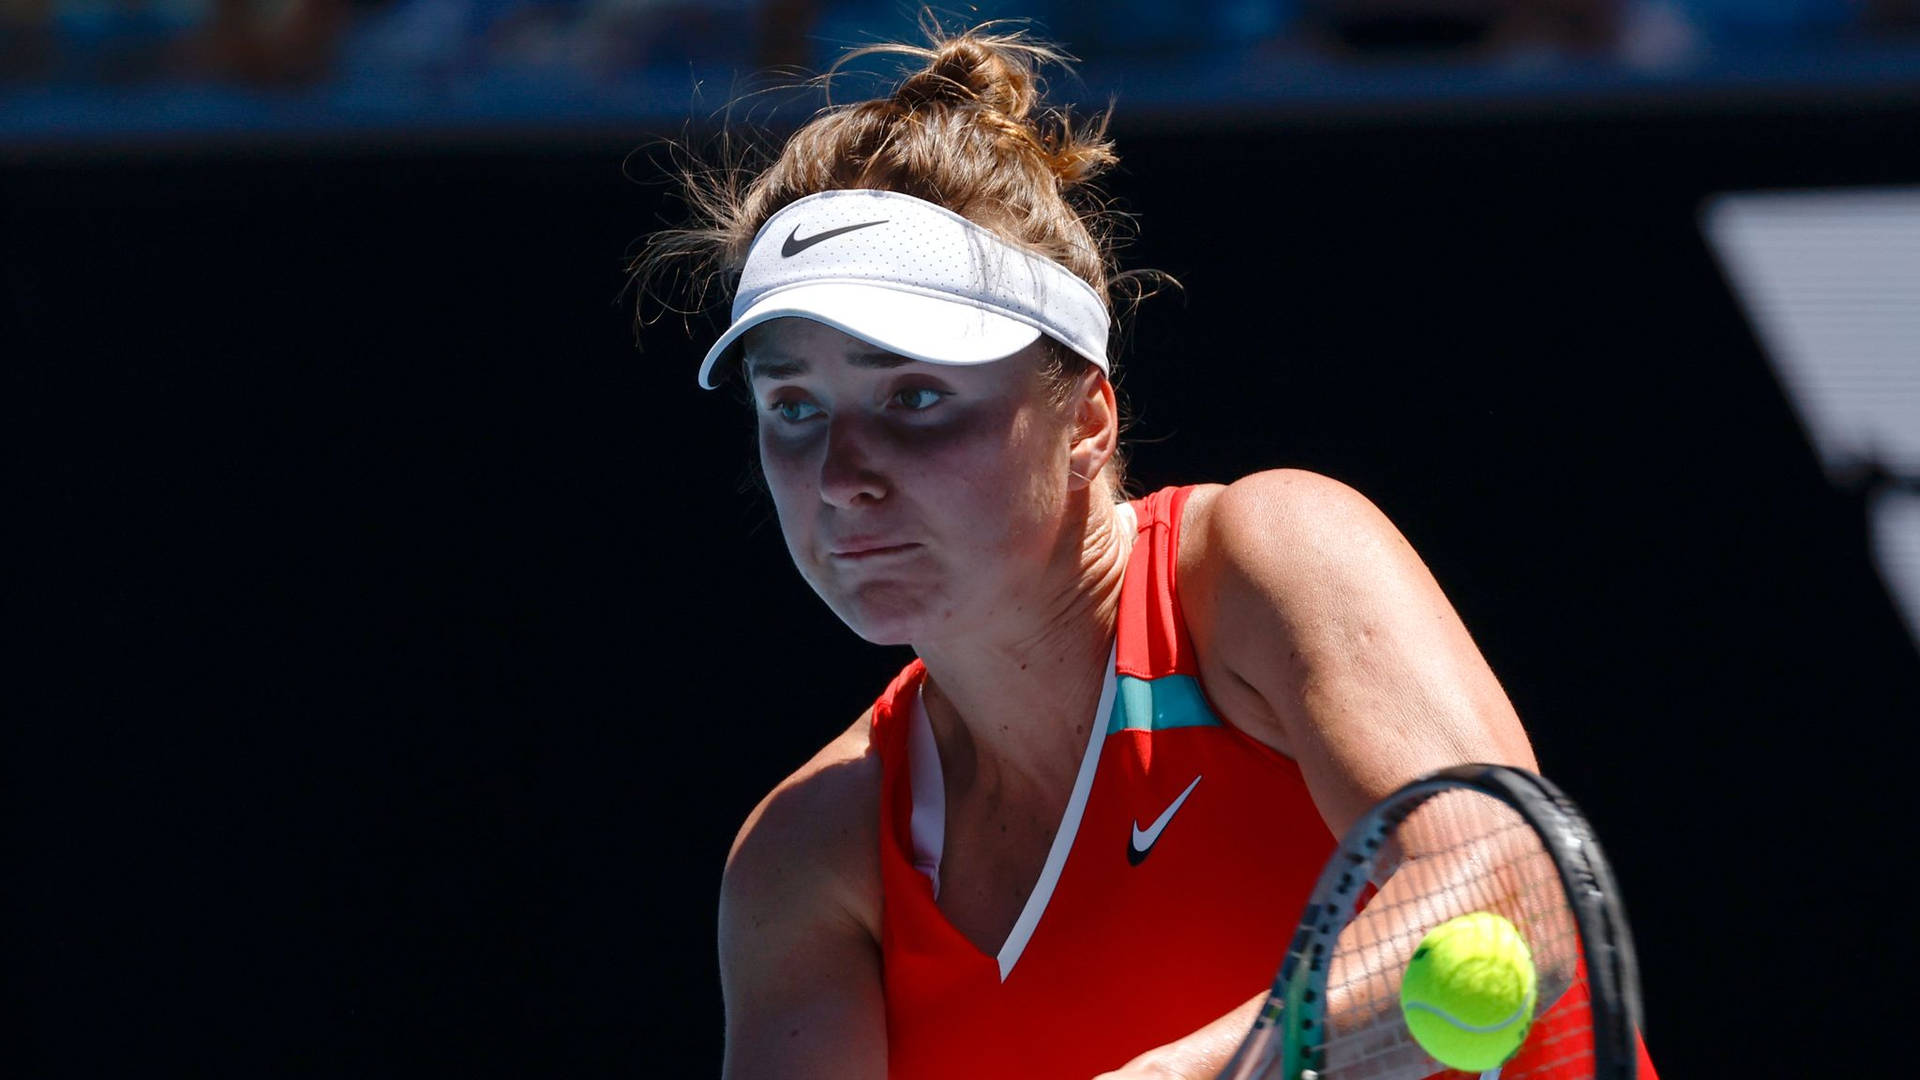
(886, 617)
(884, 637)
(890, 628)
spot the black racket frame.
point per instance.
(1300, 989)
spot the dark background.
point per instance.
(402, 648)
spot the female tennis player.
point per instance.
(1072, 836)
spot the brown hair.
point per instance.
(968, 131)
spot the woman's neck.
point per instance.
(1010, 714)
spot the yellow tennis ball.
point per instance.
(1468, 994)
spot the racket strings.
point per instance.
(1458, 853)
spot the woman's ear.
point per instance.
(1096, 429)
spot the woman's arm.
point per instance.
(1321, 633)
(799, 955)
(1300, 590)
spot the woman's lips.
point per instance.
(856, 551)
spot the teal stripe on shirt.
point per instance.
(1171, 701)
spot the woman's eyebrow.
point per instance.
(784, 367)
(879, 358)
(766, 367)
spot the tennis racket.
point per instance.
(1466, 839)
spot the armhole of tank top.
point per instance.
(929, 820)
(1260, 749)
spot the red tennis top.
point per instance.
(1170, 894)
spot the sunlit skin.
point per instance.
(945, 507)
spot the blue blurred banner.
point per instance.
(97, 71)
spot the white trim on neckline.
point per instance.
(929, 827)
(930, 811)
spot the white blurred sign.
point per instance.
(1831, 283)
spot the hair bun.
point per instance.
(967, 71)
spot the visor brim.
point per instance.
(933, 329)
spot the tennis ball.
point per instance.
(1469, 992)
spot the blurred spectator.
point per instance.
(632, 35)
(26, 40)
(286, 43)
(560, 42)
(98, 42)
(424, 40)
(780, 38)
(1366, 29)
(1771, 25)
(1891, 17)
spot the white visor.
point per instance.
(912, 278)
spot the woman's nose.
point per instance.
(849, 469)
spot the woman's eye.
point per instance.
(793, 411)
(919, 398)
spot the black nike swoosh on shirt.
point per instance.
(795, 245)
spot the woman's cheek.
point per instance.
(781, 462)
(785, 484)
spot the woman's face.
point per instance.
(919, 500)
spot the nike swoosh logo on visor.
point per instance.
(795, 245)
(1142, 841)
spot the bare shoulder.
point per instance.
(1320, 631)
(1261, 557)
(1273, 513)
(800, 957)
(816, 832)
(1281, 542)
